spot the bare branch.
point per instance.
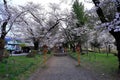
(14, 21)
(7, 10)
(36, 18)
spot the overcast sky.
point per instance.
(46, 2)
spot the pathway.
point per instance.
(63, 68)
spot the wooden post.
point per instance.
(65, 49)
(45, 53)
(78, 54)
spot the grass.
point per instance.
(19, 67)
(99, 62)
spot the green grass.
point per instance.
(99, 62)
(19, 67)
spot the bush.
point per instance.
(49, 52)
(32, 53)
(6, 54)
(22, 45)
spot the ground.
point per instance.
(64, 68)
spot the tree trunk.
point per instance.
(118, 49)
(1, 54)
(109, 48)
(73, 48)
(2, 44)
(94, 49)
(2, 39)
(36, 45)
(99, 50)
(116, 35)
(87, 47)
(106, 49)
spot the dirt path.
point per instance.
(63, 68)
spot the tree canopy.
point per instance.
(78, 9)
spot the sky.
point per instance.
(45, 3)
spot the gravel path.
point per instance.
(63, 68)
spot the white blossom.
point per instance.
(103, 25)
(116, 30)
(98, 27)
(117, 15)
(113, 0)
(118, 22)
(115, 24)
(117, 27)
(109, 28)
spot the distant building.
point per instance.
(13, 44)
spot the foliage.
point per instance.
(49, 52)
(19, 67)
(109, 9)
(2, 42)
(6, 54)
(78, 9)
(22, 45)
(99, 63)
(80, 31)
(95, 43)
(32, 53)
(110, 20)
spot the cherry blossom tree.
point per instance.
(39, 24)
(112, 26)
(81, 17)
(8, 17)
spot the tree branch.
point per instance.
(14, 21)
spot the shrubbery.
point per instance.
(6, 54)
(32, 53)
